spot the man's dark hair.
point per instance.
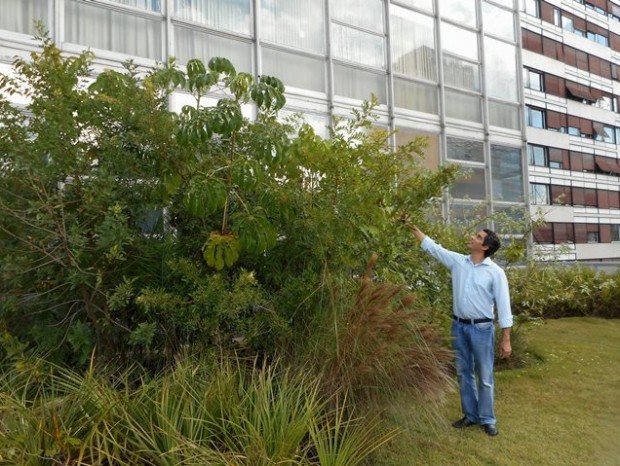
(492, 241)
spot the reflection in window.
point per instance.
(501, 69)
(295, 69)
(431, 151)
(229, 15)
(152, 5)
(358, 46)
(465, 149)
(535, 117)
(470, 216)
(367, 14)
(463, 106)
(459, 41)
(195, 44)
(507, 173)
(359, 84)
(533, 80)
(532, 7)
(498, 21)
(460, 11)
(537, 155)
(19, 15)
(460, 73)
(539, 194)
(504, 115)
(471, 186)
(420, 4)
(411, 95)
(294, 23)
(106, 29)
(413, 44)
(615, 232)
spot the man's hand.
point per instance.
(417, 232)
(505, 348)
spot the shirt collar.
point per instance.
(486, 261)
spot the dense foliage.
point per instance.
(553, 291)
(140, 232)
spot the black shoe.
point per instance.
(490, 429)
(462, 423)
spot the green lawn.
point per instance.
(563, 410)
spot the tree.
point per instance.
(139, 231)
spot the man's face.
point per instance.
(476, 242)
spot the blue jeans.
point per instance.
(474, 346)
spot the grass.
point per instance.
(562, 410)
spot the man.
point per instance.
(477, 284)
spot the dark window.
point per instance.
(543, 234)
(615, 232)
(558, 158)
(563, 233)
(561, 195)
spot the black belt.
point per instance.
(472, 321)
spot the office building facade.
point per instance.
(522, 93)
(571, 77)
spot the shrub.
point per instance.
(553, 291)
(199, 412)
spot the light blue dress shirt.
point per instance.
(475, 287)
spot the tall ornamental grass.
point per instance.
(232, 412)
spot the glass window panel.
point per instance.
(102, 28)
(469, 216)
(358, 84)
(464, 149)
(533, 80)
(413, 44)
(539, 194)
(152, 5)
(615, 232)
(507, 174)
(507, 3)
(498, 21)
(504, 115)
(537, 155)
(460, 73)
(532, 7)
(512, 219)
(563, 233)
(415, 96)
(295, 23)
(463, 106)
(543, 234)
(358, 46)
(420, 4)
(431, 151)
(471, 187)
(195, 44)
(230, 15)
(19, 15)
(460, 11)
(367, 14)
(501, 69)
(294, 69)
(535, 117)
(459, 41)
